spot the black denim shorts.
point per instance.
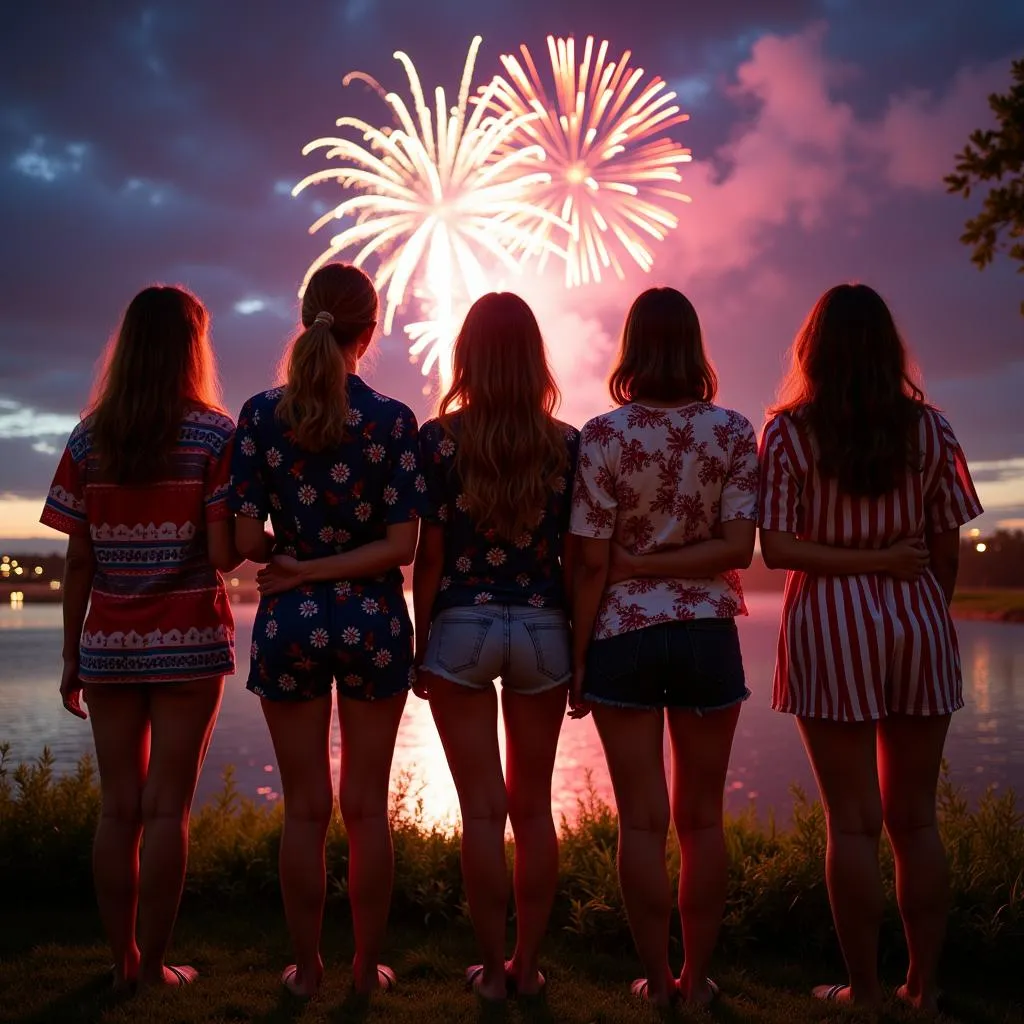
(694, 665)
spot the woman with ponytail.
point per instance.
(488, 588)
(335, 466)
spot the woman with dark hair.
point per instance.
(664, 505)
(489, 593)
(863, 491)
(148, 635)
(335, 465)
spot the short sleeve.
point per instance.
(741, 483)
(405, 494)
(65, 508)
(594, 505)
(950, 500)
(247, 489)
(572, 445)
(435, 460)
(780, 488)
(218, 482)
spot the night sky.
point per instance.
(159, 142)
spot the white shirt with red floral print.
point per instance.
(654, 479)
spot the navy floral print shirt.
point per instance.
(479, 566)
(321, 504)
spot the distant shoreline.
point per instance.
(991, 604)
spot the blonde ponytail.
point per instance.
(338, 307)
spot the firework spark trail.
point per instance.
(609, 162)
(434, 193)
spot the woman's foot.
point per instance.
(927, 1003)
(382, 979)
(523, 982)
(492, 990)
(299, 985)
(701, 993)
(169, 976)
(642, 989)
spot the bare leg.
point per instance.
(120, 728)
(532, 725)
(909, 758)
(633, 745)
(700, 760)
(467, 722)
(843, 757)
(182, 716)
(301, 732)
(368, 733)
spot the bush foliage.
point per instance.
(777, 895)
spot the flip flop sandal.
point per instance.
(182, 975)
(641, 989)
(288, 979)
(386, 979)
(126, 987)
(713, 989)
(473, 976)
(513, 985)
(830, 993)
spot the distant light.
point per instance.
(981, 547)
(17, 598)
(38, 570)
(975, 532)
(5, 559)
(249, 306)
(18, 571)
(14, 563)
(55, 584)
(234, 581)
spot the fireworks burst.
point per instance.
(609, 162)
(433, 192)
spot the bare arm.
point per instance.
(398, 547)
(944, 552)
(589, 579)
(79, 569)
(733, 550)
(251, 539)
(220, 545)
(570, 556)
(906, 559)
(426, 579)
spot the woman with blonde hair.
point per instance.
(864, 488)
(148, 635)
(335, 466)
(664, 506)
(490, 601)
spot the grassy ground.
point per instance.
(999, 604)
(53, 968)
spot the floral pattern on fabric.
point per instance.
(653, 479)
(326, 503)
(479, 566)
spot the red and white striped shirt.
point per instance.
(856, 647)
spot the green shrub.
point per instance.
(777, 896)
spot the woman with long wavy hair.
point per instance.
(863, 491)
(148, 635)
(664, 504)
(490, 600)
(334, 464)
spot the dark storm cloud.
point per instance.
(143, 142)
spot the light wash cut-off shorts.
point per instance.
(527, 647)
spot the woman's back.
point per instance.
(332, 501)
(656, 478)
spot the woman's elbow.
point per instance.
(406, 552)
(743, 557)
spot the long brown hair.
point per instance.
(511, 451)
(158, 364)
(851, 384)
(662, 357)
(338, 307)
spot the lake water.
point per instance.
(985, 748)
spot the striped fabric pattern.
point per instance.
(857, 647)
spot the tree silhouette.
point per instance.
(990, 156)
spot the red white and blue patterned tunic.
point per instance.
(158, 612)
(857, 647)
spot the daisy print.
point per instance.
(523, 579)
(308, 609)
(382, 659)
(390, 495)
(342, 588)
(375, 453)
(271, 629)
(275, 502)
(370, 606)
(307, 494)
(407, 461)
(340, 472)
(463, 564)
(462, 503)
(319, 637)
(446, 447)
(398, 429)
(483, 598)
(421, 483)
(351, 636)
(496, 557)
(536, 601)
(352, 679)
(286, 682)
(274, 458)
(250, 510)
(446, 582)
(354, 417)
(254, 650)
(326, 535)
(248, 446)
(363, 511)
(396, 626)
(523, 540)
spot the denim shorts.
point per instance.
(693, 665)
(529, 648)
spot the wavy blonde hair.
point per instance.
(511, 451)
(315, 401)
(158, 365)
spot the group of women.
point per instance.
(597, 569)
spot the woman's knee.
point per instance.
(122, 804)
(861, 817)
(314, 804)
(649, 815)
(697, 812)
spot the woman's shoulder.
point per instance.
(373, 402)
(729, 418)
(214, 420)
(569, 432)
(605, 427)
